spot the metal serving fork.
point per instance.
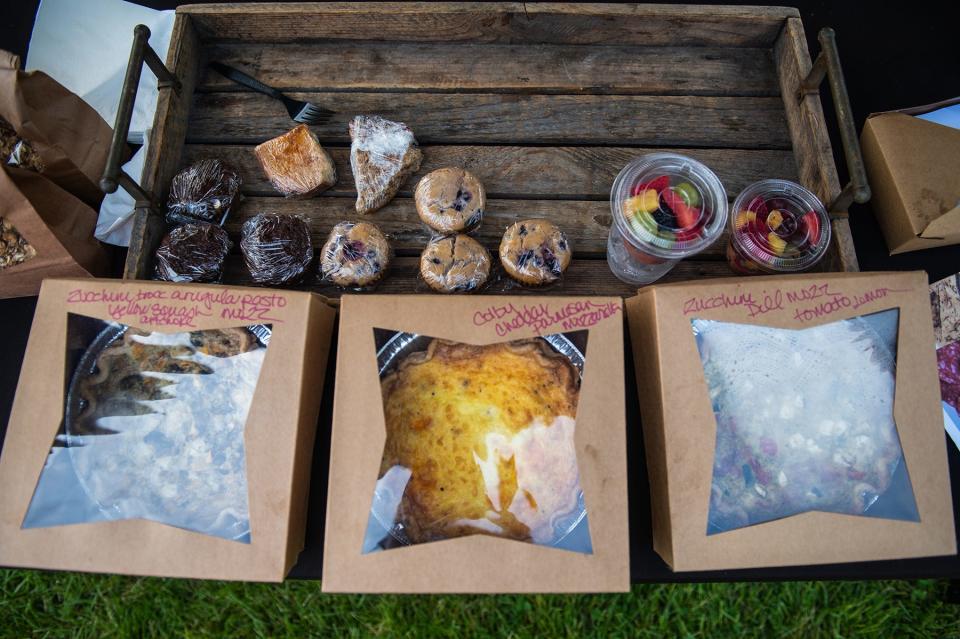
(303, 112)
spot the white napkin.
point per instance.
(85, 46)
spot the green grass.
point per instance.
(37, 604)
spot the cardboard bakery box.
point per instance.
(792, 420)
(913, 166)
(164, 429)
(478, 445)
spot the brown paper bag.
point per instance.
(70, 137)
(58, 227)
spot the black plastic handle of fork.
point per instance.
(242, 78)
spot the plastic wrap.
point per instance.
(153, 429)
(455, 263)
(14, 249)
(382, 155)
(480, 440)
(535, 252)
(355, 255)
(203, 192)
(804, 421)
(276, 248)
(14, 151)
(192, 253)
(450, 200)
(665, 207)
(296, 164)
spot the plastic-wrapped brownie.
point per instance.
(276, 248)
(203, 192)
(192, 253)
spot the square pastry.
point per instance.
(296, 164)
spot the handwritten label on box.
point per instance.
(176, 307)
(545, 318)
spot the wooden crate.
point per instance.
(544, 102)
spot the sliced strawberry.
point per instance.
(657, 184)
(812, 223)
(758, 206)
(687, 216)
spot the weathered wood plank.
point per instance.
(586, 223)
(166, 145)
(808, 129)
(583, 277)
(694, 121)
(525, 172)
(504, 22)
(365, 66)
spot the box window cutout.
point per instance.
(479, 440)
(804, 421)
(153, 429)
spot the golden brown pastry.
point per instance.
(487, 433)
(356, 254)
(454, 263)
(296, 164)
(535, 252)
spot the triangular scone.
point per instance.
(382, 155)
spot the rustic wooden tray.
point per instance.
(544, 102)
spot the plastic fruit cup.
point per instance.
(665, 207)
(777, 226)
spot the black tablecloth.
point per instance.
(892, 56)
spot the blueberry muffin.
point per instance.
(450, 200)
(535, 252)
(356, 254)
(454, 263)
(276, 248)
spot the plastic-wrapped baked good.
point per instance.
(382, 155)
(14, 249)
(192, 253)
(276, 248)
(535, 252)
(296, 163)
(356, 254)
(203, 192)
(450, 200)
(454, 263)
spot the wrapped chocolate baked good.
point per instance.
(382, 155)
(296, 164)
(192, 253)
(203, 192)
(355, 255)
(276, 248)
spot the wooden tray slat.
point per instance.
(368, 66)
(523, 172)
(583, 277)
(448, 118)
(506, 22)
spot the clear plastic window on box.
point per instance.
(153, 429)
(479, 440)
(804, 421)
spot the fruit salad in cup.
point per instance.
(665, 207)
(778, 227)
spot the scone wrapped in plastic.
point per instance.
(535, 252)
(277, 249)
(296, 164)
(355, 255)
(450, 200)
(804, 420)
(382, 155)
(192, 253)
(454, 263)
(203, 192)
(480, 440)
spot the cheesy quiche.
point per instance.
(485, 435)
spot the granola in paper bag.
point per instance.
(14, 249)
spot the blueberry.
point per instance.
(354, 250)
(458, 206)
(562, 245)
(466, 196)
(523, 230)
(523, 258)
(435, 260)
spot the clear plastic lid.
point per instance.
(668, 205)
(780, 225)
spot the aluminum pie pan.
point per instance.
(401, 344)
